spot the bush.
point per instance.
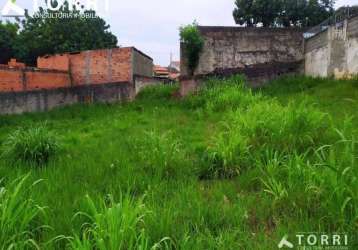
(34, 146)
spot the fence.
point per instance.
(337, 19)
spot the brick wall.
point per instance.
(100, 75)
(57, 62)
(46, 79)
(100, 66)
(28, 79)
(11, 79)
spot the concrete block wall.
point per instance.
(259, 53)
(333, 52)
(142, 64)
(47, 99)
(142, 82)
(317, 50)
(237, 47)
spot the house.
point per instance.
(161, 72)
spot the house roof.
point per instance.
(158, 68)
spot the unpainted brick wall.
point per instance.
(57, 62)
(11, 79)
(94, 66)
(45, 79)
(28, 79)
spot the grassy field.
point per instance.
(228, 168)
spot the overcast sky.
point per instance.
(152, 26)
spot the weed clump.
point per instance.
(226, 157)
(219, 95)
(34, 146)
(161, 155)
(113, 225)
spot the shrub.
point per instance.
(19, 216)
(193, 44)
(34, 146)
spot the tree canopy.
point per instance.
(284, 13)
(8, 33)
(63, 30)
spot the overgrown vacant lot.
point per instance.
(227, 168)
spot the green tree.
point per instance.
(40, 36)
(193, 44)
(244, 13)
(286, 13)
(8, 35)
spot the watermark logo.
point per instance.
(13, 9)
(317, 241)
(285, 243)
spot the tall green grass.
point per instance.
(113, 225)
(225, 168)
(20, 216)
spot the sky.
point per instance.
(153, 26)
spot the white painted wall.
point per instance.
(335, 54)
(317, 62)
(352, 56)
